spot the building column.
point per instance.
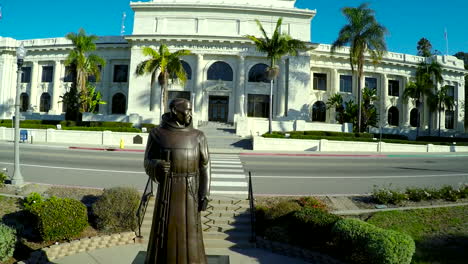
(198, 87)
(383, 100)
(33, 105)
(106, 88)
(459, 113)
(281, 93)
(240, 93)
(405, 103)
(334, 89)
(56, 88)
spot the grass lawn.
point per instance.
(441, 234)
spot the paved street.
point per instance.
(285, 175)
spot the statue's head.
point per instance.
(181, 111)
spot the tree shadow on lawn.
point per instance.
(447, 249)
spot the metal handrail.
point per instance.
(147, 193)
(253, 237)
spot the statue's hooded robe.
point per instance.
(176, 232)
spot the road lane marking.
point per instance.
(362, 177)
(225, 162)
(226, 166)
(68, 168)
(228, 184)
(226, 170)
(228, 176)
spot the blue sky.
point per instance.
(406, 20)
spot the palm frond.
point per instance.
(265, 35)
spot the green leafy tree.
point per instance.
(168, 64)
(336, 101)
(440, 101)
(424, 47)
(364, 35)
(369, 111)
(92, 99)
(82, 63)
(279, 45)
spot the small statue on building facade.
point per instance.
(177, 158)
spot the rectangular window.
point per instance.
(346, 83)
(120, 73)
(451, 91)
(371, 83)
(92, 78)
(26, 74)
(47, 73)
(320, 81)
(178, 94)
(258, 105)
(69, 75)
(449, 119)
(393, 88)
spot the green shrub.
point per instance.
(68, 123)
(273, 135)
(7, 242)
(33, 199)
(417, 194)
(3, 178)
(278, 233)
(366, 243)
(449, 193)
(281, 209)
(387, 196)
(463, 191)
(116, 209)
(312, 225)
(113, 129)
(433, 193)
(60, 218)
(311, 202)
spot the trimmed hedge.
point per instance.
(312, 223)
(148, 126)
(113, 129)
(116, 209)
(60, 218)
(7, 242)
(441, 139)
(365, 243)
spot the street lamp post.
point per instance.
(17, 177)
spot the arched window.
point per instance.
(45, 103)
(220, 71)
(24, 102)
(187, 69)
(319, 111)
(258, 73)
(414, 117)
(393, 116)
(119, 104)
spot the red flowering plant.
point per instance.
(312, 202)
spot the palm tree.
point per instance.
(277, 46)
(440, 101)
(369, 113)
(168, 64)
(84, 64)
(336, 101)
(424, 47)
(364, 34)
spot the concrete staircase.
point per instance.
(223, 136)
(225, 224)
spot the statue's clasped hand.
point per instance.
(203, 204)
(164, 165)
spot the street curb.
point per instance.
(108, 149)
(315, 155)
(366, 211)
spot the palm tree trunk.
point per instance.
(440, 112)
(270, 114)
(359, 103)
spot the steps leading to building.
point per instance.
(223, 136)
(225, 223)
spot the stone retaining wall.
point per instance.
(48, 254)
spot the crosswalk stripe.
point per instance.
(229, 184)
(225, 162)
(229, 192)
(228, 176)
(226, 166)
(227, 170)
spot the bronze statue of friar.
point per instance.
(177, 158)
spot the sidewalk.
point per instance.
(136, 253)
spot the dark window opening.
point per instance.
(346, 83)
(45, 103)
(319, 111)
(371, 83)
(47, 73)
(24, 102)
(178, 94)
(119, 104)
(258, 73)
(258, 105)
(320, 81)
(449, 119)
(70, 75)
(26, 75)
(414, 115)
(120, 73)
(393, 116)
(220, 71)
(393, 88)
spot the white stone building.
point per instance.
(225, 81)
